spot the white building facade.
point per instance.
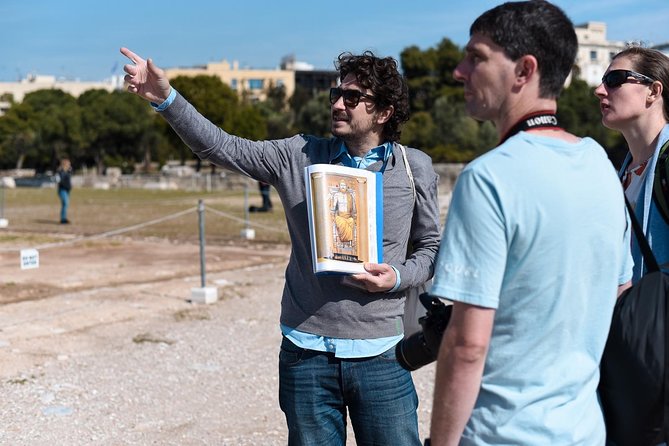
(16, 91)
(664, 47)
(594, 52)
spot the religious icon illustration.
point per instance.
(343, 204)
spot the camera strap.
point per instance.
(409, 172)
(544, 119)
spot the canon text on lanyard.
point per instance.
(536, 120)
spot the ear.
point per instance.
(527, 68)
(384, 115)
(655, 92)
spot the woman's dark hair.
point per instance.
(652, 63)
(388, 86)
(536, 28)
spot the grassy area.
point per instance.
(34, 212)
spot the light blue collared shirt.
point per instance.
(379, 153)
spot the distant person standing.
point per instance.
(266, 200)
(64, 179)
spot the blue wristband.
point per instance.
(398, 282)
(166, 103)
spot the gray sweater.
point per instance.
(321, 304)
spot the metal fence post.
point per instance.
(246, 204)
(204, 294)
(3, 221)
(248, 233)
(200, 215)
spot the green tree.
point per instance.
(419, 131)
(51, 128)
(449, 56)
(299, 99)
(248, 122)
(220, 104)
(579, 113)
(315, 117)
(210, 96)
(277, 114)
(17, 137)
(276, 98)
(419, 68)
(120, 129)
(429, 73)
(438, 124)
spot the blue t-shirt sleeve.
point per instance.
(472, 257)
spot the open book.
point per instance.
(345, 207)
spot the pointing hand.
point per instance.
(145, 79)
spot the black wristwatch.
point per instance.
(427, 442)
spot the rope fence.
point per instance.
(245, 221)
(153, 222)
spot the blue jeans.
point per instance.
(316, 389)
(64, 196)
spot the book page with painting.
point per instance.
(345, 208)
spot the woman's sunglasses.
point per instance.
(351, 97)
(615, 78)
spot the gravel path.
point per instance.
(139, 365)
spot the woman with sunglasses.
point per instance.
(634, 99)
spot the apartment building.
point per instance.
(16, 91)
(664, 47)
(247, 82)
(254, 84)
(594, 52)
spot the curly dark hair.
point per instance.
(381, 76)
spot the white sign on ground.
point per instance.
(29, 258)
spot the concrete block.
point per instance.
(248, 233)
(204, 295)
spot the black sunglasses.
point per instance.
(615, 78)
(351, 97)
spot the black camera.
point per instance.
(422, 347)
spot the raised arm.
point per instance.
(145, 79)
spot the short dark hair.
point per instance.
(388, 86)
(652, 63)
(536, 28)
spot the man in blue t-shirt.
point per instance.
(534, 250)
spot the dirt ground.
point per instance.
(101, 345)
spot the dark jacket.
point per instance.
(64, 178)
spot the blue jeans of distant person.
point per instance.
(64, 196)
(316, 389)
